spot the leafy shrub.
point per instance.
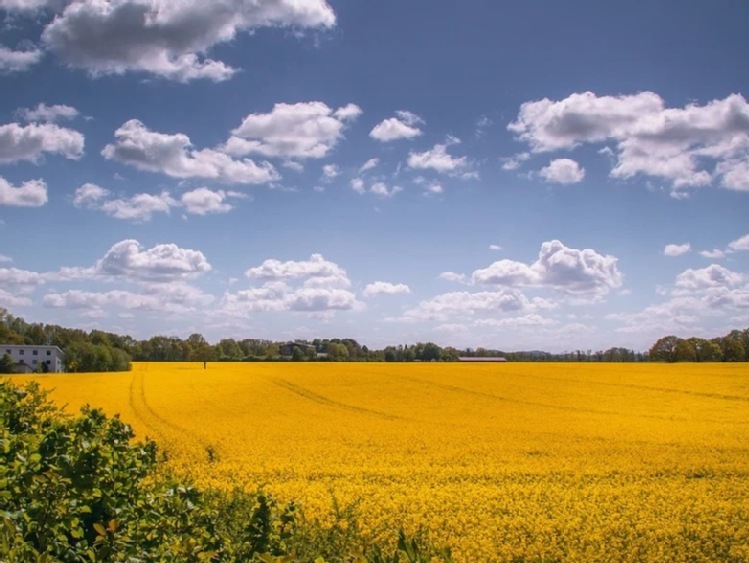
(80, 490)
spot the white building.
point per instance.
(28, 358)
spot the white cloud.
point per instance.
(162, 263)
(168, 38)
(30, 142)
(94, 301)
(49, 114)
(316, 267)
(696, 297)
(18, 61)
(563, 171)
(452, 277)
(463, 303)
(495, 247)
(713, 254)
(322, 287)
(139, 208)
(381, 189)
(11, 300)
(401, 127)
(710, 277)
(385, 288)
(508, 272)
(202, 201)
(88, 195)
(569, 270)
(434, 188)
(302, 130)
(677, 249)
(514, 162)
(437, 159)
(29, 194)
(377, 188)
(24, 5)
(173, 155)
(371, 163)
(651, 139)
(739, 244)
(142, 207)
(330, 171)
(5, 259)
(20, 282)
(293, 165)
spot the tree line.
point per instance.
(733, 347)
(99, 350)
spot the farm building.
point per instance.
(481, 360)
(29, 358)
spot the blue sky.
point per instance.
(510, 175)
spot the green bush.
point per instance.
(81, 490)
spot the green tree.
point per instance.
(6, 364)
(664, 350)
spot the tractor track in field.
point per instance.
(325, 401)
(718, 396)
(157, 423)
(458, 389)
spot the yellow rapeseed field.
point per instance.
(576, 462)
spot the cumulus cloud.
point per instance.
(174, 156)
(302, 130)
(713, 254)
(29, 194)
(650, 139)
(30, 142)
(452, 277)
(464, 303)
(316, 267)
(696, 296)
(138, 208)
(677, 249)
(20, 282)
(203, 201)
(142, 207)
(162, 263)
(49, 114)
(168, 38)
(569, 270)
(711, 277)
(313, 286)
(357, 184)
(18, 61)
(401, 127)
(739, 244)
(563, 171)
(438, 159)
(385, 288)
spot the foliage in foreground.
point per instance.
(79, 489)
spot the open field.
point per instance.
(608, 462)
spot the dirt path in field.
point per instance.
(322, 400)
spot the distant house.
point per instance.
(29, 358)
(474, 359)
